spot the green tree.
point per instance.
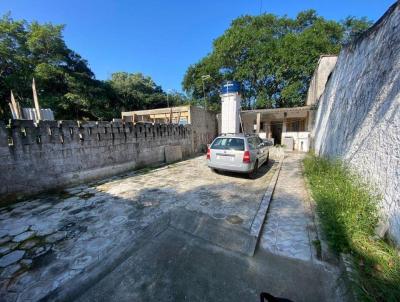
(14, 60)
(273, 57)
(136, 91)
(354, 27)
(65, 82)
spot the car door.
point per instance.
(252, 143)
(263, 152)
(266, 149)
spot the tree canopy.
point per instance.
(273, 57)
(64, 80)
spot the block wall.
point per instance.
(52, 154)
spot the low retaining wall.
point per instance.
(54, 154)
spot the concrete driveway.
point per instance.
(56, 245)
(176, 266)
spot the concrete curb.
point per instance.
(327, 254)
(261, 214)
(346, 266)
(73, 288)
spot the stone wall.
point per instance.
(52, 154)
(358, 117)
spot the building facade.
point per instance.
(284, 126)
(290, 127)
(204, 123)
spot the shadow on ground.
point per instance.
(76, 238)
(176, 266)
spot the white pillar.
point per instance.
(230, 111)
(258, 122)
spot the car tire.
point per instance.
(214, 170)
(253, 174)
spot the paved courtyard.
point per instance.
(56, 240)
(179, 267)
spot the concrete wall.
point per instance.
(325, 66)
(59, 153)
(204, 125)
(358, 117)
(321, 74)
(248, 122)
(301, 140)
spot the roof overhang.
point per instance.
(278, 110)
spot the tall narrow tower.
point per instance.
(230, 107)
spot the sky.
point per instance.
(162, 38)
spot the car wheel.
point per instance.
(253, 174)
(214, 170)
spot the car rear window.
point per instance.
(226, 143)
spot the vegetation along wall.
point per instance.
(51, 154)
(358, 117)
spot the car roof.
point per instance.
(237, 135)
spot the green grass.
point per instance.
(349, 215)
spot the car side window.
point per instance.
(252, 143)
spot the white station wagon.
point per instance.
(238, 153)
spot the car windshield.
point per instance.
(227, 143)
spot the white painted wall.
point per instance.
(324, 68)
(230, 109)
(358, 117)
(301, 140)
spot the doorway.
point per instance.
(276, 131)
